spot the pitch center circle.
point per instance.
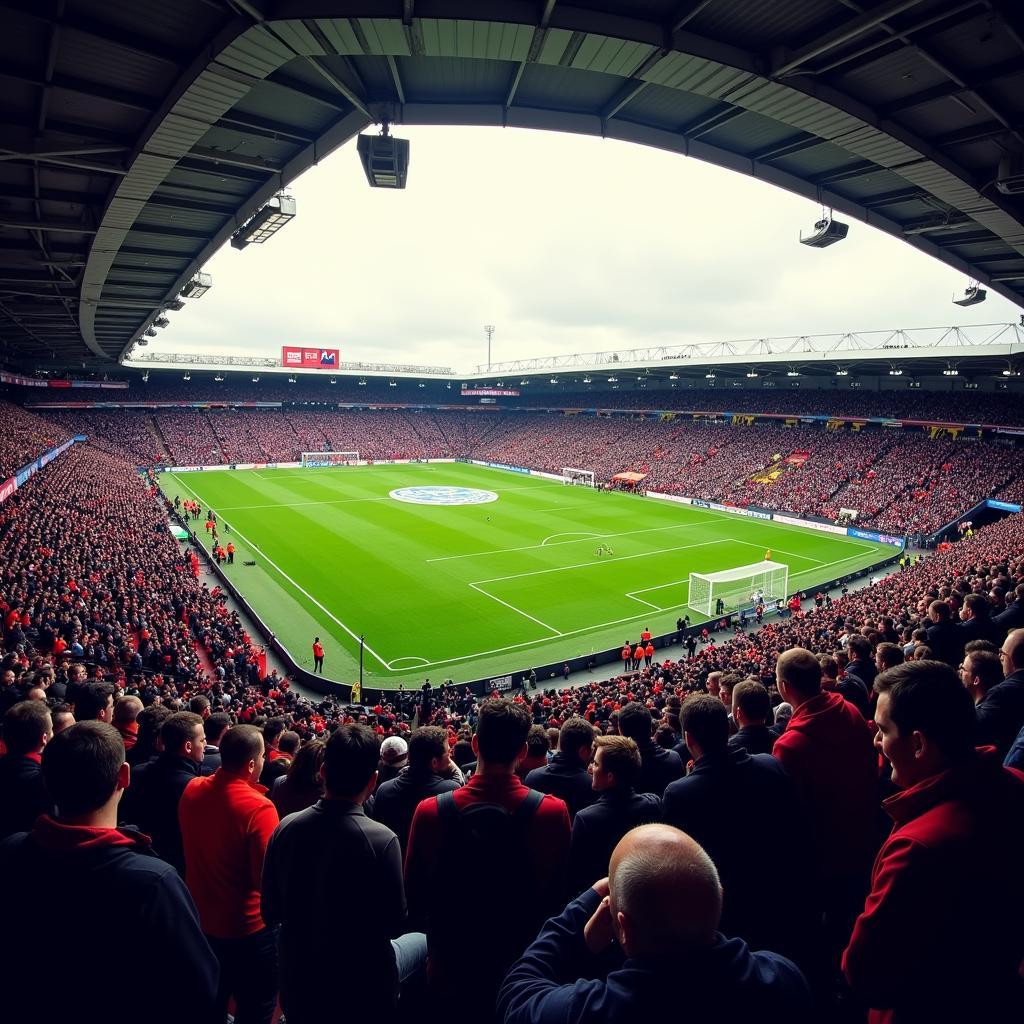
(443, 495)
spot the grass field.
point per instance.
(471, 590)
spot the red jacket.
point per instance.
(942, 933)
(226, 823)
(828, 750)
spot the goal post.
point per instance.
(322, 459)
(738, 588)
(578, 477)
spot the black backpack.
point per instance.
(486, 845)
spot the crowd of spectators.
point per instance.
(521, 806)
(24, 437)
(611, 840)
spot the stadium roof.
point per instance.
(137, 135)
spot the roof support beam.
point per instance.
(843, 34)
(72, 227)
(685, 13)
(939, 92)
(709, 122)
(787, 147)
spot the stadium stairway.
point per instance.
(158, 439)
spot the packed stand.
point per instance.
(24, 437)
(283, 837)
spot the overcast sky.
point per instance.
(565, 244)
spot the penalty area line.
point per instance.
(305, 593)
(519, 611)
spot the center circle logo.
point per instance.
(443, 495)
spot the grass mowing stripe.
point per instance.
(401, 574)
(305, 593)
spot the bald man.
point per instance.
(656, 916)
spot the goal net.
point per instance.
(742, 587)
(578, 477)
(320, 459)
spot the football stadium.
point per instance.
(512, 509)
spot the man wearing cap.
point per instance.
(394, 756)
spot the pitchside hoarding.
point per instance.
(309, 358)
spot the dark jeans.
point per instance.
(248, 972)
(318, 664)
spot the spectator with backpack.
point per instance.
(513, 839)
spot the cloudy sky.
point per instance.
(565, 244)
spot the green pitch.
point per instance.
(472, 590)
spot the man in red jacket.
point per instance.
(828, 751)
(226, 823)
(940, 937)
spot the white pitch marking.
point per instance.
(301, 590)
(517, 610)
(571, 533)
(607, 561)
(603, 536)
(421, 661)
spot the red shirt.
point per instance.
(318, 650)
(226, 823)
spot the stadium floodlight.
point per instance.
(710, 375)
(951, 371)
(145, 377)
(334, 380)
(613, 380)
(150, 332)
(362, 382)
(255, 380)
(423, 385)
(291, 380)
(186, 376)
(176, 304)
(973, 294)
(266, 221)
(586, 380)
(827, 231)
(792, 373)
(554, 380)
(161, 321)
(392, 383)
(673, 376)
(842, 373)
(198, 286)
(895, 372)
(385, 159)
(752, 374)
(523, 383)
(218, 378)
(142, 342)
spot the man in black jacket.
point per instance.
(855, 686)
(137, 897)
(943, 639)
(1000, 714)
(745, 812)
(23, 795)
(976, 621)
(395, 802)
(658, 766)
(152, 802)
(332, 863)
(214, 726)
(752, 711)
(1012, 616)
(566, 775)
(597, 829)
